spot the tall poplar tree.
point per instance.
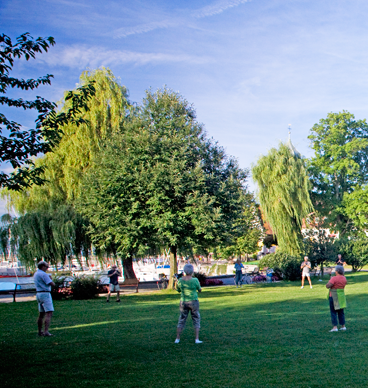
(283, 190)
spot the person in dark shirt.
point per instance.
(114, 274)
(340, 260)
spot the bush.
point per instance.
(213, 282)
(355, 252)
(59, 291)
(84, 287)
(284, 265)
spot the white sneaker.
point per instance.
(198, 341)
(311, 287)
(177, 341)
(333, 330)
(302, 287)
(343, 328)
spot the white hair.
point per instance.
(188, 269)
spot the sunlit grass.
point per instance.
(262, 335)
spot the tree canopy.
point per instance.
(162, 182)
(339, 166)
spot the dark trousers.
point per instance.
(238, 277)
(336, 313)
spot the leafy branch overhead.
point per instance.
(18, 145)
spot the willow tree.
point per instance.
(65, 166)
(51, 234)
(283, 190)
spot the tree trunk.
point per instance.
(128, 271)
(173, 266)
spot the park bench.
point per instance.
(9, 288)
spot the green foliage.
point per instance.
(21, 145)
(283, 190)
(284, 265)
(355, 207)
(51, 235)
(339, 166)
(355, 251)
(64, 168)
(84, 287)
(161, 182)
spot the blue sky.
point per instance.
(250, 68)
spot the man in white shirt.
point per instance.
(43, 283)
(306, 267)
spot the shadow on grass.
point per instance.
(273, 335)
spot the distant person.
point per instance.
(189, 288)
(238, 273)
(337, 298)
(340, 260)
(114, 274)
(43, 283)
(306, 267)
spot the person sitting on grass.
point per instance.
(337, 298)
(306, 267)
(114, 274)
(188, 287)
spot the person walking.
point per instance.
(43, 283)
(337, 298)
(189, 288)
(238, 273)
(306, 267)
(114, 274)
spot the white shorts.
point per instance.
(307, 274)
(114, 287)
(44, 301)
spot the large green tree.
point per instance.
(283, 191)
(339, 166)
(162, 182)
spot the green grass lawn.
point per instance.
(262, 335)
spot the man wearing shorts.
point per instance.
(43, 283)
(114, 274)
(306, 267)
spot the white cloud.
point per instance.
(142, 28)
(210, 10)
(86, 56)
(217, 8)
